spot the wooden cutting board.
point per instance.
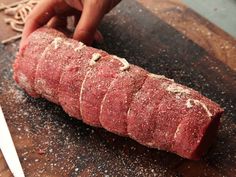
(160, 36)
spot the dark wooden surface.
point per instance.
(213, 39)
(50, 143)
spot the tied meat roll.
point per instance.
(106, 91)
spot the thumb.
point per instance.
(92, 14)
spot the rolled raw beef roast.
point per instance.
(106, 91)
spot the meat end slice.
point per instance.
(27, 58)
(72, 78)
(198, 128)
(115, 104)
(95, 86)
(179, 127)
(140, 119)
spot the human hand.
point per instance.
(87, 14)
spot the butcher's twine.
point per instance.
(17, 13)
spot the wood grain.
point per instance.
(214, 40)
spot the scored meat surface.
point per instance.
(106, 91)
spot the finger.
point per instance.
(76, 19)
(38, 17)
(98, 37)
(62, 17)
(57, 22)
(92, 14)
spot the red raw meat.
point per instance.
(141, 122)
(113, 114)
(50, 67)
(105, 91)
(200, 116)
(94, 87)
(72, 78)
(169, 109)
(27, 59)
(176, 108)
